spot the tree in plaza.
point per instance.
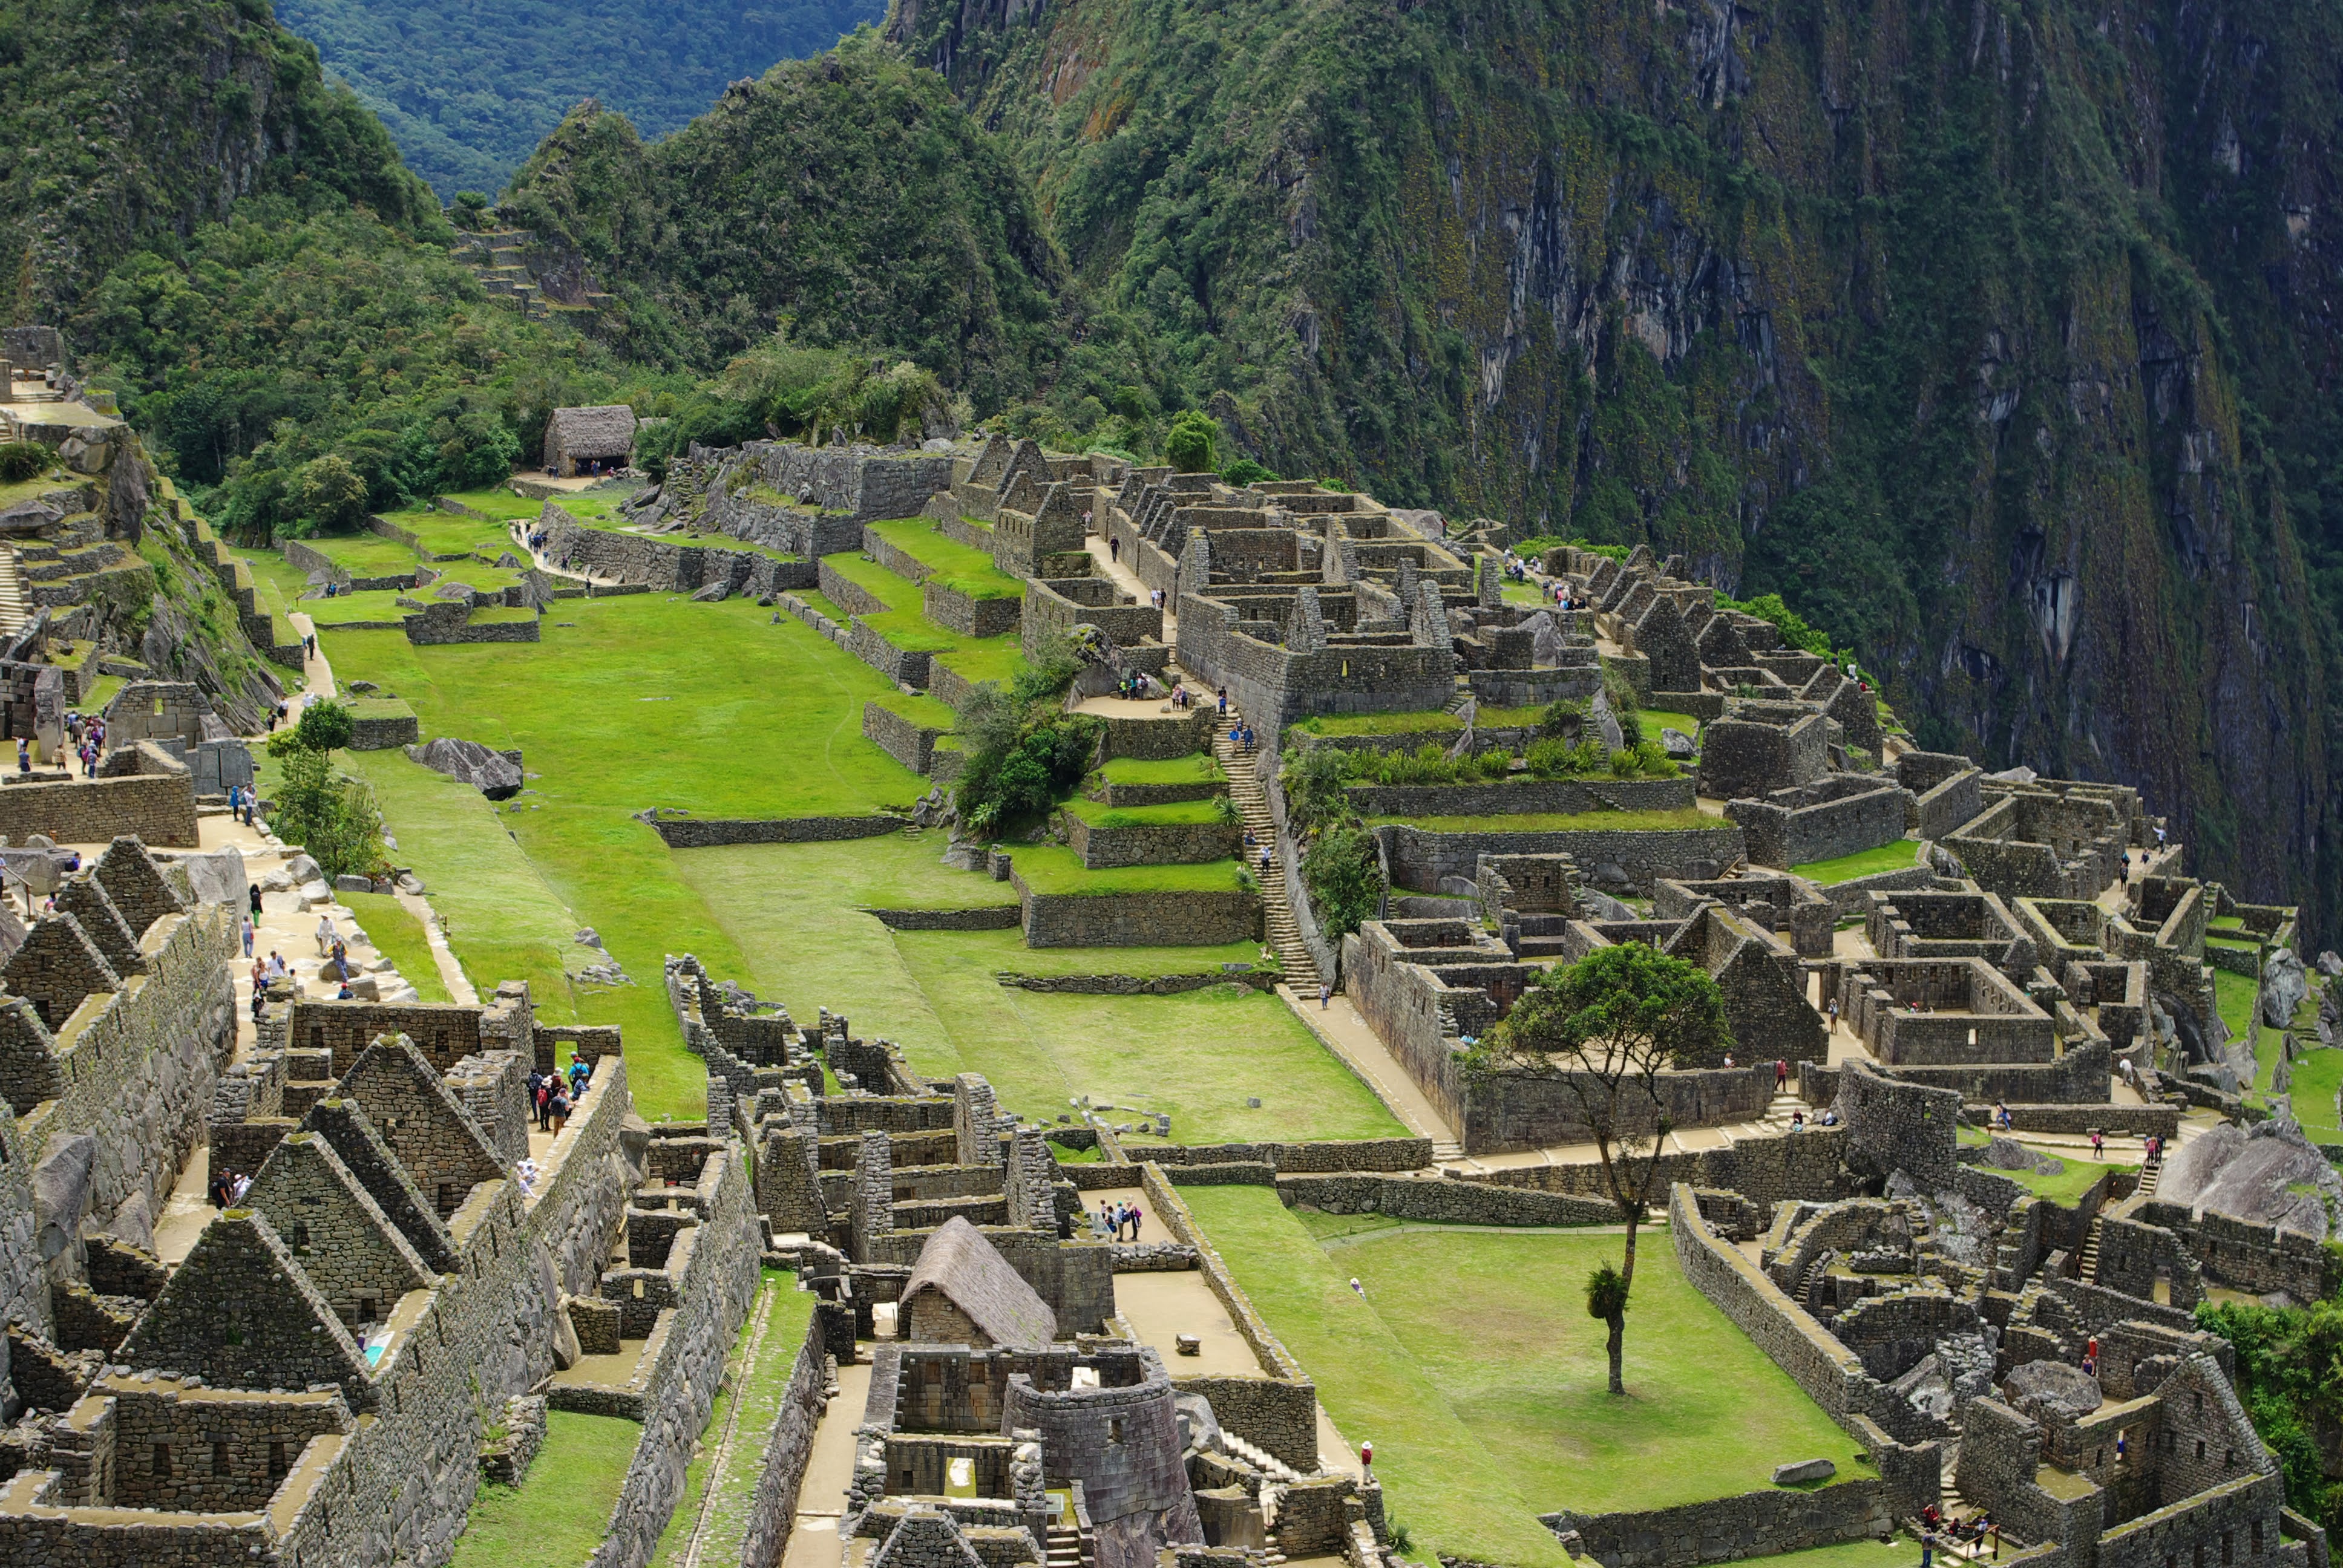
(1605, 1028)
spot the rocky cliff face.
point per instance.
(1999, 341)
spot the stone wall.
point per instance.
(302, 558)
(965, 613)
(665, 567)
(907, 740)
(158, 806)
(711, 832)
(1557, 795)
(1781, 832)
(719, 1283)
(1725, 1529)
(787, 1444)
(1443, 1201)
(1422, 860)
(1139, 919)
(1058, 605)
(1152, 844)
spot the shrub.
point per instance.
(1245, 471)
(20, 461)
(1313, 778)
(1562, 719)
(1021, 772)
(1189, 447)
(332, 815)
(1344, 880)
(322, 727)
(331, 495)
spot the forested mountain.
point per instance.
(468, 87)
(2001, 340)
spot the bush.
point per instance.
(322, 727)
(1019, 769)
(1245, 471)
(20, 461)
(1344, 880)
(331, 496)
(1314, 780)
(331, 816)
(1189, 448)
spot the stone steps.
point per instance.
(1283, 933)
(1258, 1458)
(15, 603)
(2087, 1265)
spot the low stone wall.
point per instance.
(1726, 1529)
(1442, 1200)
(1231, 1173)
(640, 563)
(1701, 705)
(1136, 795)
(1155, 739)
(156, 808)
(1139, 919)
(711, 832)
(907, 740)
(1784, 837)
(966, 614)
(1364, 1154)
(987, 918)
(849, 595)
(1559, 797)
(2138, 1120)
(716, 1288)
(1853, 897)
(382, 728)
(302, 558)
(1140, 985)
(1153, 844)
(1419, 861)
(905, 667)
(788, 1443)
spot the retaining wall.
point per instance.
(710, 832)
(787, 1444)
(1726, 1529)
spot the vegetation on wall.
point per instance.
(2291, 1379)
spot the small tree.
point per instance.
(323, 727)
(331, 493)
(1605, 1028)
(1189, 447)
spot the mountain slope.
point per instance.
(846, 198)
(1928, 316)
(468, 87)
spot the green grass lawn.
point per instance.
(1472, 1366)
(934, 993)
(754, 719)
(1196, 768)
(960, 568)
(500, 503)
(447, 533)
(374, 606)
(2066, 1186)
(1900, 856)
(560, 1512)
(1654, 720)
(102, 692)
(999, 659)
(921, 710)
(1054, 868)
(1339, 724)
(1562, 822)
(897, 593)
(913, 632)
(399, 936)
(1175, 814)
(727, 1495)
(2234, 994)
(366, 554)
(1900, 1553)
(2317, 1075)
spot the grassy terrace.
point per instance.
(561, 1508)
(1477, 1432)
(925, 710)
(1054, 868)
(756, 1386)
(2066, 1186)
(1561, 822)
(399, 936)
(974, 660)
(1179, 814)
(499, 504)
(962, 568)
(1656, 719)
(366, 554)
(1900, 856)
(1197, 768)
(2316, 1078)
(449, 533)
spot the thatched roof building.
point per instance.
(963, 1292)
(578, 436)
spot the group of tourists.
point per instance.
(243, 801)
(1241, 734)
(552, 1096)
(228, 1188)
(1114, 1217)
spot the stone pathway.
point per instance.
(1128, 582)
(1341, 1031)
(719, 1462)
(830, 1469)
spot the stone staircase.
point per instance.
(2086, 1266)
(1065, 1547)
(2148, 1177)
(1252, 805)
(1261, 1459)
(15, 603)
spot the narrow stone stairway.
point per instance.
(1065, 1547)
(2087, 1265)
(1253, 808)
(15, 604)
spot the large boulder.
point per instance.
(2268, 1174)
(490, 772)
(2284, 985)
(216, 876)
(2052, 1390)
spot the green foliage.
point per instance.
(468, 87)
(847, 199)
(1796, 632)
(1024, 756)
(811, 392)
(1628, 1003)
(1245, 471)
(20, 461)
(2290, 1380)
(330, 495)
(1190, 447)
(1344, 878)
(1313, 778)
(322, 727)
(331, 815)
(1606, 1292)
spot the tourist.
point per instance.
(277, 968)
(579, 1072)
(1781, 1075)
(1366, 1449)
(1326, 996)
(1728, 1059)
(259, 977)
(1834, 1015)
(1357, 1289)
(1114, 549)
(236, 1193)
(558, 1110)
(544, 1104)
(2098, 1144)
(325, 935)
(525, 1172)
(253, 892)
(248, 936)
(1224, 699)
(1264, 861)
(345, 993)
(24, 756)
(1105, 1221)
(1138, 1218)
(259, 1002)
(1797, 1120)
(1829, 1118)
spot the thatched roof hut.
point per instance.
(963, 1292)
(605, 434)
